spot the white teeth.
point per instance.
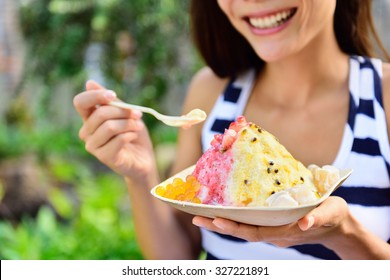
(270, 21)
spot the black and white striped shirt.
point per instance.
(365, 148)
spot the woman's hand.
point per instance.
(321, 225)
(117, 137)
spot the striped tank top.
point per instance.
(364, 148)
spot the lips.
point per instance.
(271, 20)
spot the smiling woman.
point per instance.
(304, 70)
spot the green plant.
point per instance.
(98, 227)
(143, 43)
(97, 221)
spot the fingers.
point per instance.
(306, 222)
(330, 213)
(95, 94)
(92, 85)
(224, 226)
(110, 152)
(244, 231)
(86, 102)
(109, 130)
(206, 223)
(106, 114)
(282, 236)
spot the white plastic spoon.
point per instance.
(193, 117)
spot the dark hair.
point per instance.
(228, 53)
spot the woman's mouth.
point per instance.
(272, 20)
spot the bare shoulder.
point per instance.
(386, 92)
(204, 89)
(386, 87)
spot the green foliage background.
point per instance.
(96, 216)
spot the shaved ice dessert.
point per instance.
(247, 166)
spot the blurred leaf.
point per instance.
(61, 203)
(143, 57)
(46, 222)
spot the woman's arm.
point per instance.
(168, 233)
(119, 139)
(202, 93)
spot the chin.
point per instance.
(273, 54)
(271, 57)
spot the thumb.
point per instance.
(329, 213)
(92, 85)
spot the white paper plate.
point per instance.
(262, 216)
